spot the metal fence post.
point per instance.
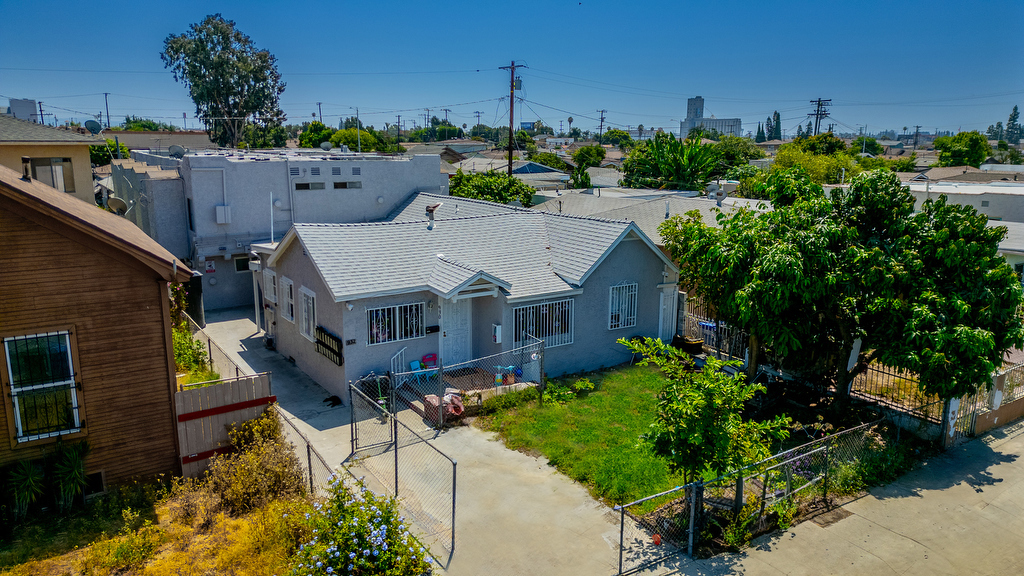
(352, 419)
(737, 504)
(309, 466)
(394, 425)
(542, 384)
(693, 521)
(455, 469)
(622, 532)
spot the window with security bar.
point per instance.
(552, 322)
(395, 323)
(43, 391)
(622, 306)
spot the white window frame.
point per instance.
(270, 285)
(538, 320)
(386, 324)
(307, 325)
(287, 296)
(17, 392)
(622, 306)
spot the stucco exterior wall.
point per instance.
(362, 358)
(998, 202)
(593, 343)
(10, 156)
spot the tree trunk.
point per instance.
(753, 356)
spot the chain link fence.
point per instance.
(670, 523)
(399, 462)
(474, 380)
(316, 470)
(218, 359)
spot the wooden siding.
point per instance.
(116, 312)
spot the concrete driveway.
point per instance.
(515, 514)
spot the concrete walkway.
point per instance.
(515, 515)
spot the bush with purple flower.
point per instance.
(357, 532)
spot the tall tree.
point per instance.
(769, 128)
(640, 132)
(1014, 132)
(230, 80)
(492, 186)
(963, 149)
(776, 126)
(588, 156)
(809, 131)
(665, 162)
(925, 292)
(800, 131)
(760, 134)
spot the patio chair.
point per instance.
(417, 370)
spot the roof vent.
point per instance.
(430, 214)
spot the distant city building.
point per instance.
(23, 109)
(695, 118)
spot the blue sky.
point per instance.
(941, 64)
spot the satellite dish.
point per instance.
(176, 151)
(325, 146)
(116, 204)
(93, 126)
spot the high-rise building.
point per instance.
(695, 118)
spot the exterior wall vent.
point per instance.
(356, 171)
(293, 171)
(223, 214)
(315, 171)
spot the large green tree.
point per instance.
(363, 140)
(315, 134)
(588, 156)
(736, 151)
(617, 137)
(1013, 132)
(925, 292)
(139, 124)
(492, 186)
(665, 162)
(230, 81)
(963, 149)
(866, 144)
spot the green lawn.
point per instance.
(595, 438)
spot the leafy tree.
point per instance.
(809, 131)
(824, 143)
(699, 425)
(229, 79)
(706, 133)
(139, 124)
(617, 137)
(268, 135)
(769, 128)
(587, 156)
(736, 151)
(348, 137)
(821, 168)
(904, 164)
(664, 162)
(964, 149)
(995, 132)
(776, 126)
(925, 292)
(575, 133)
(101, 155)
(799, 131)
(447, 132)
(314, 135)
(580, 178)
(866, 144)
(351, 122)
(760, 134)
(492, 186)
(550, 159)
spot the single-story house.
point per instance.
(475, 279)
(59, 158)
(86, 334)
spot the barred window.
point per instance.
(308, 324)
(551, 322)
(270, 285)
(394, 323)
(622, 306)
(42, 379)
(287, 299)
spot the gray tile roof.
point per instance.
(14, 130)
(1014, 241)
(415, 208)
(531, 253)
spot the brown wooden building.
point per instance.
(86, 334)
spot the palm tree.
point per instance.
(640, 132)
(570, 123)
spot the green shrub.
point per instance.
(25, 483)
(846, 479)
(189, 353)
(736, 532)
(359, 533)
(129, 550)
(67, 473)
(785, 510)
(509, 400)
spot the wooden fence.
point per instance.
(205, 412)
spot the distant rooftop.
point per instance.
(14, 130)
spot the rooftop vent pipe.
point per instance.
(430, 214)
(26, 168)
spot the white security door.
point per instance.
(456, 329)
(667, 323)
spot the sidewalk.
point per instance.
(959, 513)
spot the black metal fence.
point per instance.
(671, 523)
(401, 463)
(898, 390)
(316, 469)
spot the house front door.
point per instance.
(456, 329)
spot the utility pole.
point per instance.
(917, 130)
(105, 103)
(478, 113)
(560, 126)
(359, 125)
(446, 111)
(398, 131)
(511, 108)
(321, 111)
(40, 111)
(820, 112)
(600, 130)
(184, 121)
(864, 140)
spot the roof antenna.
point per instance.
(430, 214)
